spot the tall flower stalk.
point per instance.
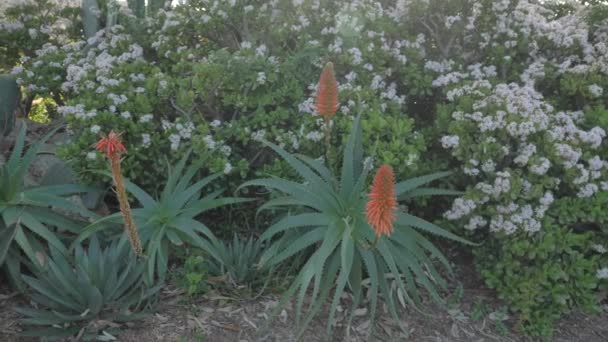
(113, 148)
(327, 103)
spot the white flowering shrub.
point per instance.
(522, 152)
(26, 25)
(187, 78)
(525, 118)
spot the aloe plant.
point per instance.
(170, 219)
(238, 260)
(9, 99)
(28, 212)
(326, 219)
(88, 297)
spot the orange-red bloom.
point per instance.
(111, 145)
(382, 201)
(327, 93)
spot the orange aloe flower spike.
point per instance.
(326, 103)
(111, 145)
(382, 201)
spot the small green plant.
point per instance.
(239, 262)
(326, 218)
(170, 220)
(88, 296)
(28, 213)
(192, 276)
(479, 310)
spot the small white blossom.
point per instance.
(227, 168)
(596, 90)
(145, 140)
(599, 248)
(261, 77)
(450, 141)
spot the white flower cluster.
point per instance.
(534, 139)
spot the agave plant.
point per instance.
(27, 212)
(171, 218)
(326, 217)
(238, 260)
(87, 297)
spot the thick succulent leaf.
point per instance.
(359, 188)
(369, 260)
(405, 234)
(162, 260)
(347, 249)
(174, 177)
(61, 189)
(24, 163)
(50, 293)
(106, 222)
(51, 334)
(179, 199)
(413, 183)
(386, 293)
(351, 163)
(143, 197)
(95, 300)
(326, 284)
(295, 221)
(294, 246)
(174, 238)
(421, 192)
(354, 281)
(318, 167)
(405, 219)
(326, 251)
(185, 179)
(295, 190)
(302, 169)
(13, 160)
(52, 218)
(62, 272)
(38, 317)
(35, 198)
(412, 258)
(38, 228)
(193, 232)
(7, 234)
(279, 202)
(389, 259)
(26, 246)
(203, 205)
